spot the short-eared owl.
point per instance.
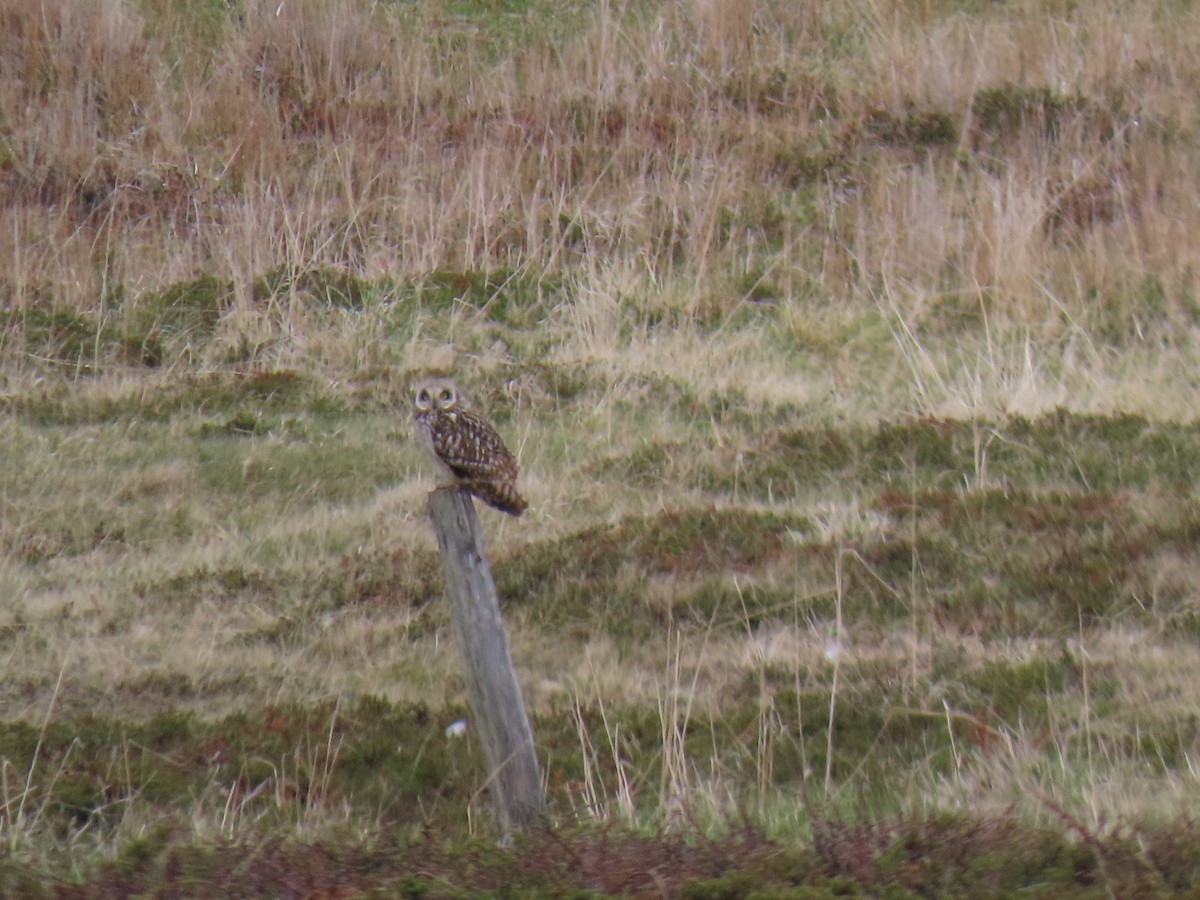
(466, 446)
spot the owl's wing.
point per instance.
(474, 450)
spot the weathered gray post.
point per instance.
(514, 776)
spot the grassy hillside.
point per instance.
(849, 350)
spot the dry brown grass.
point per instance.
(750, 218)
(320, 133)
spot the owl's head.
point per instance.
(436, 393)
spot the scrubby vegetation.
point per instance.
(848, 349)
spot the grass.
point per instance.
(848, 353)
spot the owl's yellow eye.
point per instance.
(445, 396)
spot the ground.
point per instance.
(848, 351)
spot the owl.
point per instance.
(466, 446)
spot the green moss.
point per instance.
(316, 471)
(732, 886)
(378, 577)
(390, 762)
(913, 128)
(793, 460)
(646, 466)
(190, 308)
(566, 384)
(171, 686)
(145, 849)
(797, 166)
(208, 583)
(1015, 560)
(1020, 692)
(166, 729)
(1162, 745)
(894, 857)
(63, 535)
(1001, 113)
(487, 29)
(760, 89)
(65, 338)
(926, 444)
(272, 387)
(246, 399)
(514, 299)
(1059, 450)
(578, 576)
(193, 29)
(321, 287)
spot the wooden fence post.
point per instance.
(500, 720)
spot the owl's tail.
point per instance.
(501, 495)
